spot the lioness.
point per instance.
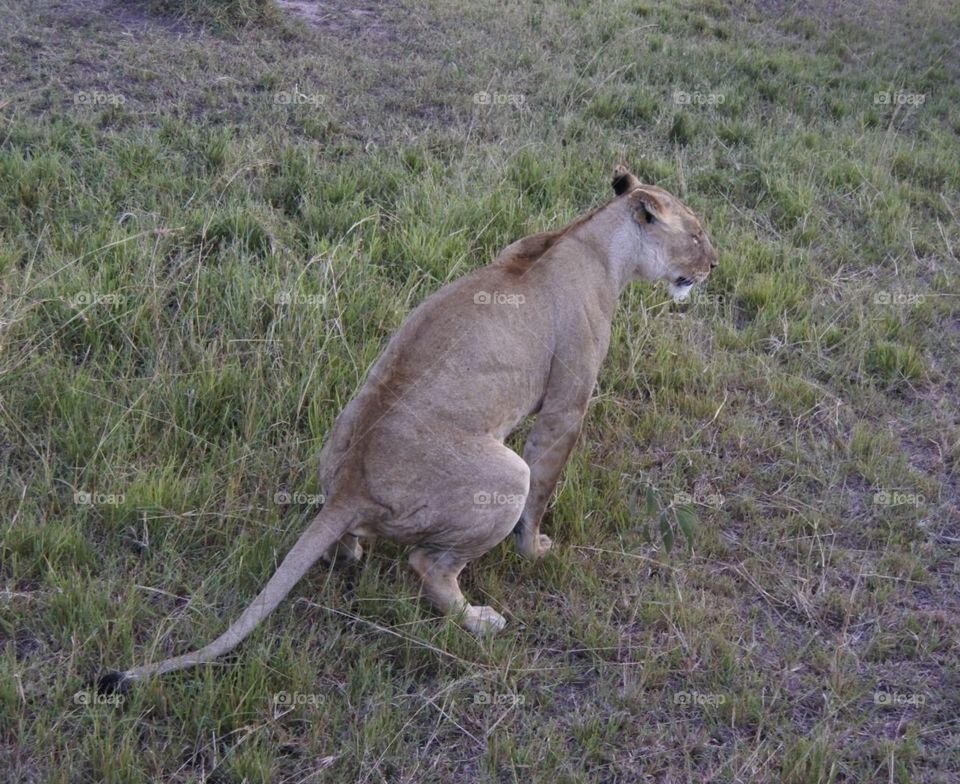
(418, 455)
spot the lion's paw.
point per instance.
(483, 620)
(535, 547)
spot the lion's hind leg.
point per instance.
(438, 572)
(476, 510)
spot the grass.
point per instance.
(207, 234)
(221, 14)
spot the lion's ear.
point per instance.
(623, 180)
(647, 206)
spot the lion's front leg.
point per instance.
(549, 445)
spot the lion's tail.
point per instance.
(328, 526)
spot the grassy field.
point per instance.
(210, 224)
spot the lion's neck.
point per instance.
(618, 251)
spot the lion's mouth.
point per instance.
(679, 289)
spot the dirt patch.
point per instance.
(364, 21)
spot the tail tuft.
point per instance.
(113, 683)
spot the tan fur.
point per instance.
(418, 455)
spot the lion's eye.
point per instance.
(696, 239)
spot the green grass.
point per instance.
(209, 227)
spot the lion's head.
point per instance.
(676, 248)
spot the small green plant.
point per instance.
(666, 519)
